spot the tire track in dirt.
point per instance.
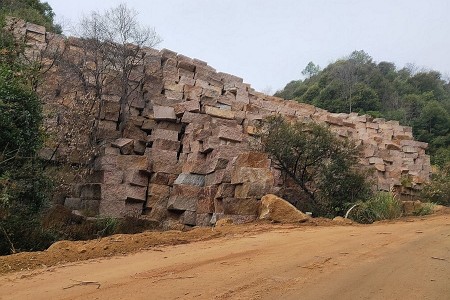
(381, 261)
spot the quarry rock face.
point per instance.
(184, 154)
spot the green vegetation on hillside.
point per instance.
(24, 189)
(358, 84)
(33, 11)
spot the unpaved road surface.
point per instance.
(401, 260)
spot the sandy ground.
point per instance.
(408, 259)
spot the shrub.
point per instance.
(107, 226)
(425, 209)
(60, 223)
(438, 189)
(381, 206)
(323, 165)
(24, 189)
(21, 230)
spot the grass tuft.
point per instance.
(381, 206)
(425, 209)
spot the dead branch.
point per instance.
(438, 258)
(13, 250)
(81, 282)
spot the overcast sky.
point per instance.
(269, 42)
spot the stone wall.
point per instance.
(185, 155)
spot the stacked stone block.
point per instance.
(185, 154)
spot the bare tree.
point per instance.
(114, 40)
(103, 64)
(349, 77)
(348, 73)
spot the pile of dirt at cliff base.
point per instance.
(121, 244)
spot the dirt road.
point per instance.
(401, 260)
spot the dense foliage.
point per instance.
(24, 190)
(438, 190)
(322, 165)
(420, 99)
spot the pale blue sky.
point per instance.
(268, 43)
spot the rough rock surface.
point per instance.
(185, 152)
(278, 210)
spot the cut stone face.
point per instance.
(184, 197)
(164, 113)
(186, 141)
(190, 179)
(239, 206)
(219, 113)
(230, 133)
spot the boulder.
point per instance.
(278, 210)
(255, 189)
(163, 178)
(415, 207)
(136, 178)
(132, 162)
(203, 219)
(191, 117)
(164, 161)
(136, 193)
(108, 177)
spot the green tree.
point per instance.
(438, 190)
(311, 69)
(310, 94)
(24, 189)
(429, 82)
(322, 165)
(356, 83)
(433, 124)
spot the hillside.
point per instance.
(357, 83)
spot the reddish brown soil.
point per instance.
(405, 259)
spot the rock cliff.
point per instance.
(184, 154)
